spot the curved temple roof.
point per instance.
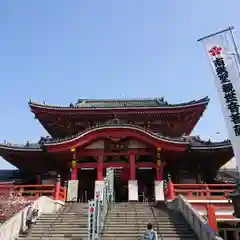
(194, 143)
(121, 103)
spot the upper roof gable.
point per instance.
(122, 103)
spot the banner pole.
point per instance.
(235, 46)
(216, 33)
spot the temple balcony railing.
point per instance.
(199, 191)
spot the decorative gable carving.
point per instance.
(136, 144)
(96, 145)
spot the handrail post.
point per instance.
(171, 192)
(65, 191)
(212, 220)
(57, 188)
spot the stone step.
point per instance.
(104, 238)
(54, 238)
(68, 223)
(60, 229)
(64, 230)
(144, 223)
(133, 217)
(130, 214)
(164, 235)
(126, 221)
(137, 237)
(64, 215)
(141, 231)
(60, 220)
(63, 218)
(164, 227)
(56, 234)
(45, 224)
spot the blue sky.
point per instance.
(58, 51)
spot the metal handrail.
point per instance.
(50, 228)
(137, 222)
(156, 222)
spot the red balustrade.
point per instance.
(13, 198)
(199, 191)
(62, 193)
(35, 191)
(202, 193)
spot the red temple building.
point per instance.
(143, 139)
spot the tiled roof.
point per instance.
(129, 103)
(194, 142)
(121, 103)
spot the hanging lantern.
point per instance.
(73, 150)
(74, 156)
(73, 164)
(158, 157)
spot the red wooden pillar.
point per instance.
(65, 191)
(57, 188)
(159, 173)
(171, 192)
(212, 220)
(74, 174)
(100, 168)
(132, 167)
(38, 179)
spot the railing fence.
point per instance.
(99, 207)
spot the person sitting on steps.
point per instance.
(150, 234)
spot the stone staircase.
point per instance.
(70, 225)
(128, 221)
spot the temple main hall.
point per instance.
(144, 140)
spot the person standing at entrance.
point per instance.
(150, 234)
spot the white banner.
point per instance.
(132, 190)
(226, 73)
(72, 192)
(159, 190)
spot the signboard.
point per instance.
(222, 52)
(72, 192)
(132, 190)
(159, 190)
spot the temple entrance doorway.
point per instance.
(120, 186)
(146, 177)
(86, 187)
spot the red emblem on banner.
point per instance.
(91, 210)
(215, 51)
(97, 194)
